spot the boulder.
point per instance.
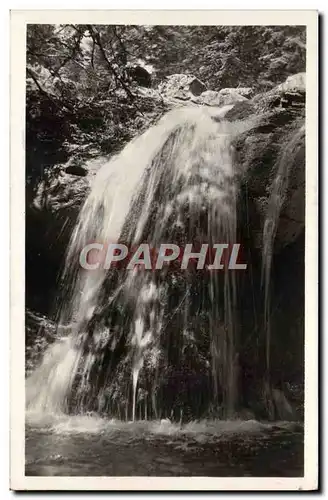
(246, 92)
(196, 87)
(221, 98)
(290, 93)
(294, 83)
(181, 86)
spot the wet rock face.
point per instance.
(296, 83)
(40, 332)
(260, 154)
(51, 213)
(222, 98)
(278, 136)
(64, 187)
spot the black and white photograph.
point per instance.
(165, 249)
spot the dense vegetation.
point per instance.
(82, 79)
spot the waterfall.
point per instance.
(137, 337)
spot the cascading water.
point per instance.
(154, 343)
(276, 202)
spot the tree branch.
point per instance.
(45, 93)
(96, 38)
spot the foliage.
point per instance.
(222, 56)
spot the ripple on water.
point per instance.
(204, 430)
(91, 445)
